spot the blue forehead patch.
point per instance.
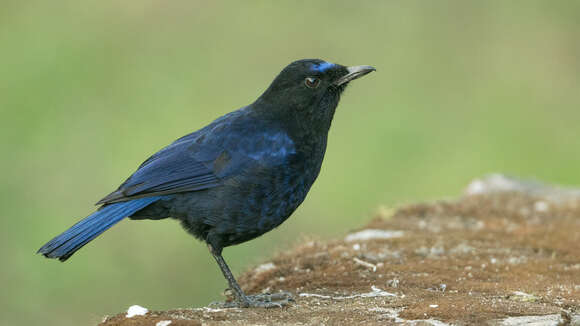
(322, 67)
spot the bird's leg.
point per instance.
(242, 300)
(234, 286)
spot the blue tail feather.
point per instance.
(71, 240)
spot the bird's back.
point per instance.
(264, 175)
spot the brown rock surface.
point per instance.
(476, 260)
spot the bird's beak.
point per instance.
(354, 72)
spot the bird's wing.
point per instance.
(193, 162)
(174, 169)
(231, 145)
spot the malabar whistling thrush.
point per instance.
(235, 179)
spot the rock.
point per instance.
(507, 257)
(136, 310)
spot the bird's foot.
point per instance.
(266, 300)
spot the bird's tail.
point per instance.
(73, 239)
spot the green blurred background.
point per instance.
(89, 89)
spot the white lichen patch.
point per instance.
(376, 292)
(373, 267)
(371, 234)
(523, 297)
(163, 323)
(264, 268)
(546, 320)
(541, 206)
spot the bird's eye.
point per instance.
(312, 82)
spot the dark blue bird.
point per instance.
(237, 178)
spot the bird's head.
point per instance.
(310, 89)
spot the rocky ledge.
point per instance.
(505, 253)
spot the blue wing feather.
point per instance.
(202, 159)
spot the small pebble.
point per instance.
(136, 310)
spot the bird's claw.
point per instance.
(267, 300)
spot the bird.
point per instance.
(237, 178)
